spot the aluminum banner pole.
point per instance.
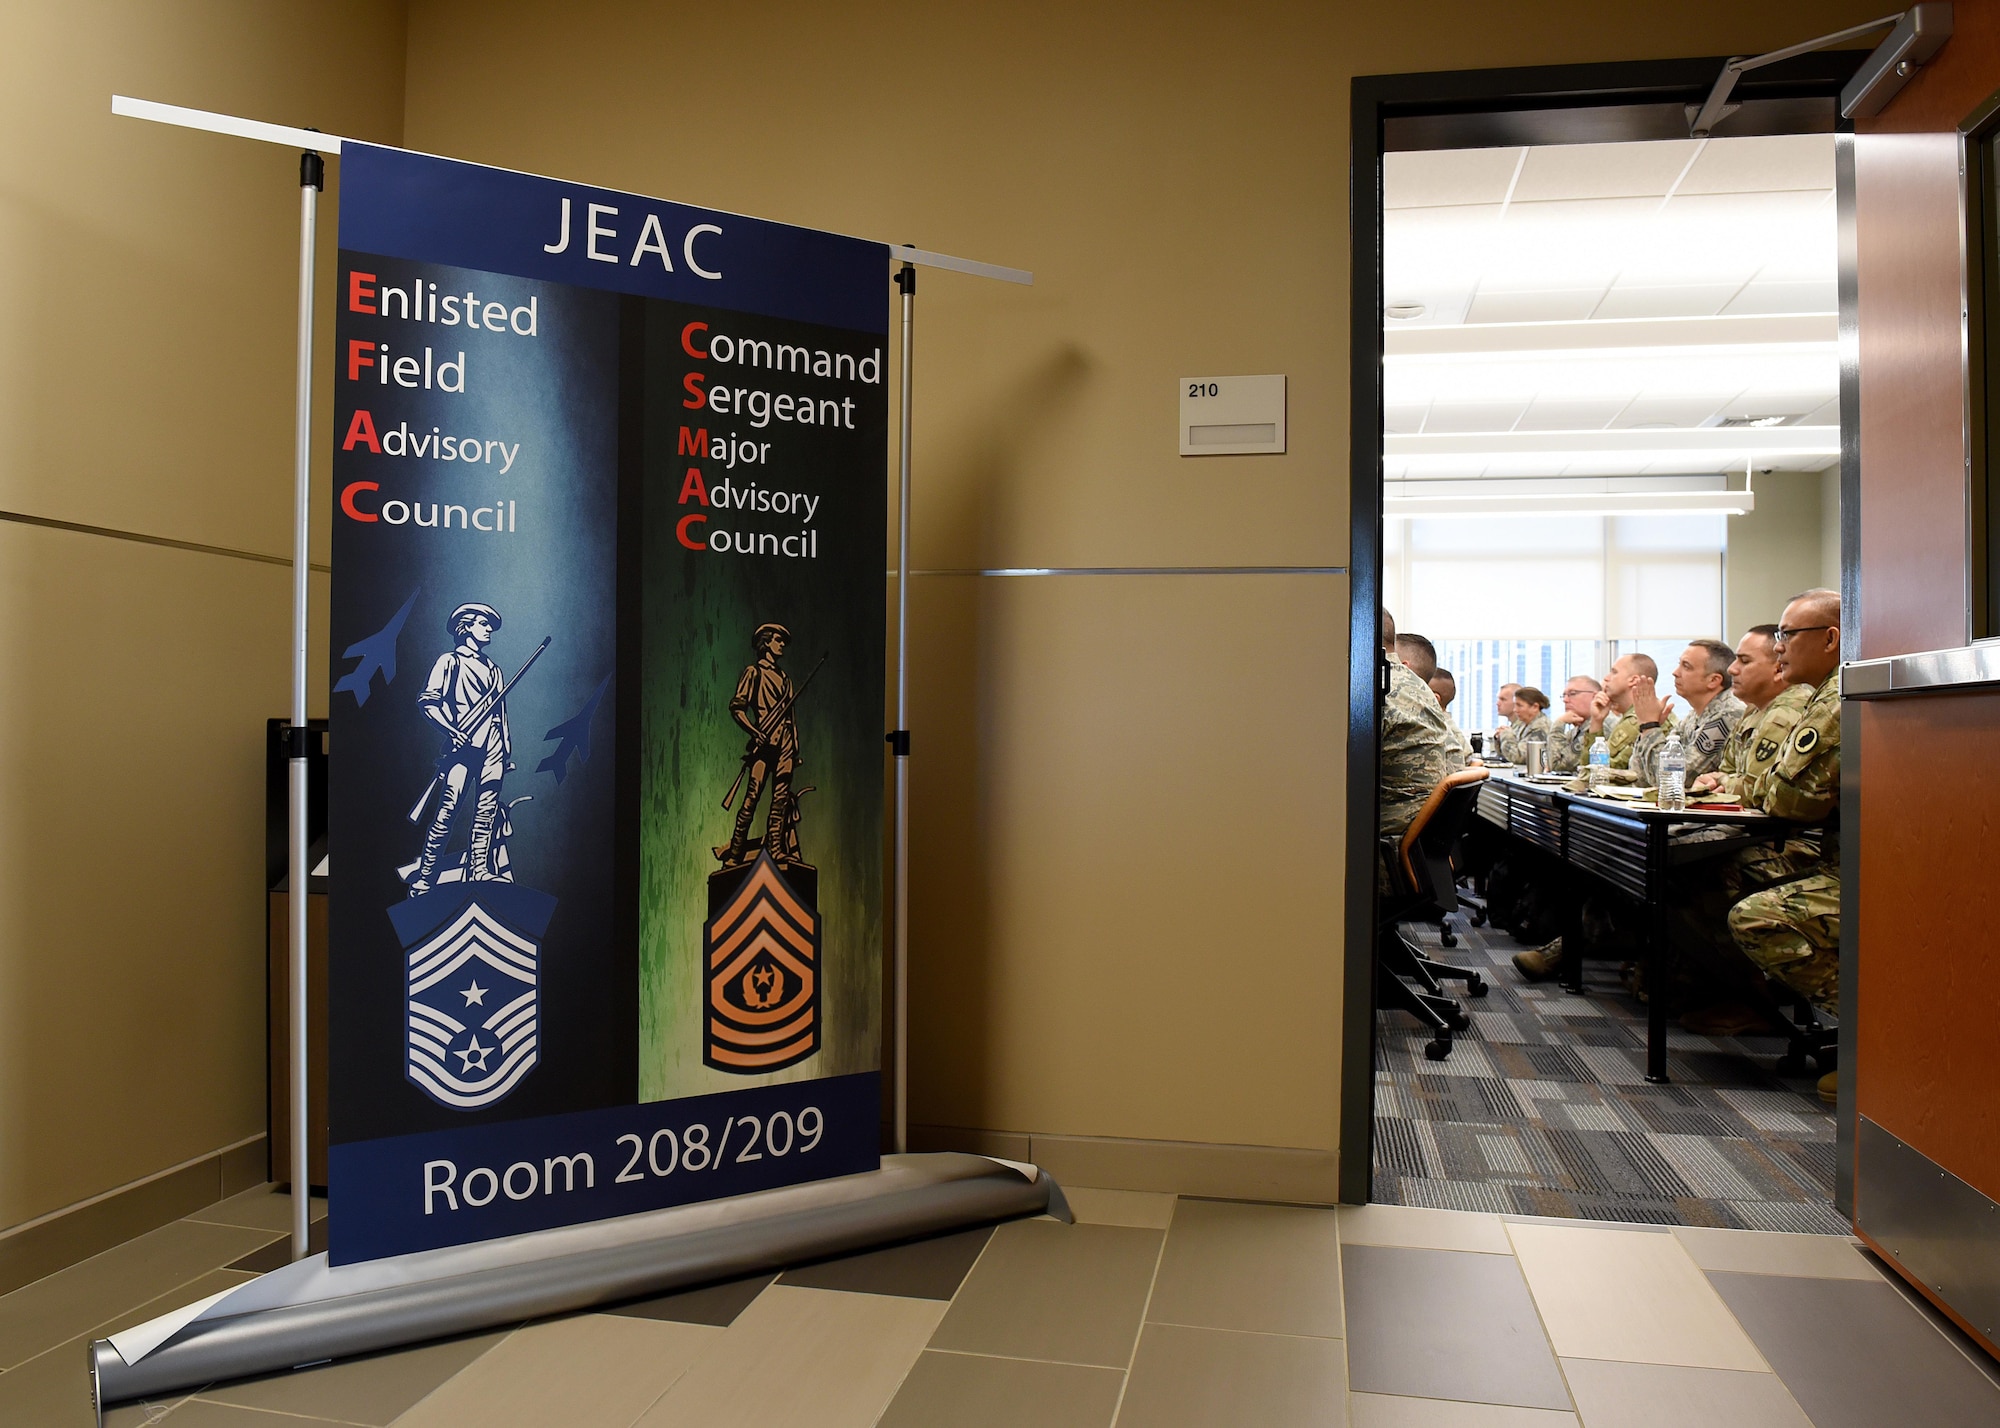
(906, 281)
(312, 177)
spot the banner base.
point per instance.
(308, 1312)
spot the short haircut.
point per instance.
(1528, 694)
(1446, 675)
(1825, 603)
(1720, 657)
(1419, 654)
(1644, 664)
(1769, 632)
(1595, 686)
(1509, 688)
(1388, 631)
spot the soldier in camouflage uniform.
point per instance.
(1571, 737)
(1792, 931)
(1772, 706)
(1417, 747)
(1531, 721)
(1702, 678)
(1610, 712)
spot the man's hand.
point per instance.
(1600, 706)
(1645, 701)
(1572, 718)
(1707, 781)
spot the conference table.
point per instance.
(1632, 849)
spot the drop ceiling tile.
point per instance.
(1664, 412)
(1750, 165)
(1826, 414)
(1441, 468)
(1438, 177)
(1761, 401)
(1562, 306)
(1690, 300)
(1404, 419)
(1557, 414)
(1565, 171)
(1607, 465)
(1761, 296)
(1473, 416)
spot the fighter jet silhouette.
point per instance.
(575, 735)
(378, 651)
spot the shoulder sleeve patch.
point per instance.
(1806, 741)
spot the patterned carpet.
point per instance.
(1542, 1109)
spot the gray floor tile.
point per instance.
(1446, 1324)
(971, 1391)
(278, 1253)
(1062, 1293)
(263, 1208)
(73, 1301)
(51, 1390)
(1378, 1410)
(1217, 1378)
(925, 1269)
(1855, 1355)
(1268, 1269)
(1620, 1395)
(371, 1390)
(716, 1304)
(201, 1413)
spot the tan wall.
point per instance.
(147, 328)
(1128, 803)
(1829, 528)
(1775, 551)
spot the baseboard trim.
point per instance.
(39, 1247)
(1223, 1172)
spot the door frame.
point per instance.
(1536, 105)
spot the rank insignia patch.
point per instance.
(760, 952)
(473, 989)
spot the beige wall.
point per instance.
(147, 327)
(1128, 802)
(1776, 550)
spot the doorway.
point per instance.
(1581, 341)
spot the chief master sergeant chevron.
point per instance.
(1792, 930)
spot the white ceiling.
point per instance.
(1667, 287)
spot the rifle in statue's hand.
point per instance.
(462, 733)
(766, 731)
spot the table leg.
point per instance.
(1572, 890)
(1655, 964)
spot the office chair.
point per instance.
(1422, 887)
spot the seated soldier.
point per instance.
(1503, 705)
(1702, 678)
(1792, 930)
(1531, 714)
(1417, 748)
(1771, 708)
(1445, 687)
(1567, 741)
(1610, 711)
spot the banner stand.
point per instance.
(899, 741)
(309, 1311)
(312, 178)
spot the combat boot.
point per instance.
(1540, 963)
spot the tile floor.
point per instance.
(1148, 1313)
(1542, 1108)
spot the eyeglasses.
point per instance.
(1784, 634)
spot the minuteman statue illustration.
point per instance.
(763, 707)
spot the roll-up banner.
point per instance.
(605, 783)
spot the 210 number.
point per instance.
(1204, 389)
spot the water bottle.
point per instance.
(1600, 762)
(1673, 775)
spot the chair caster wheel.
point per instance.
(1449, 939)
(1460, 1021)
(1475, 986)
(1438, 1049)
(1478, 918)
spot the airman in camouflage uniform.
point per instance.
(1792, 930)
(1702, 676)
(1513, 740)
(1570, 740)
(1610, 711)
(1417, 749)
